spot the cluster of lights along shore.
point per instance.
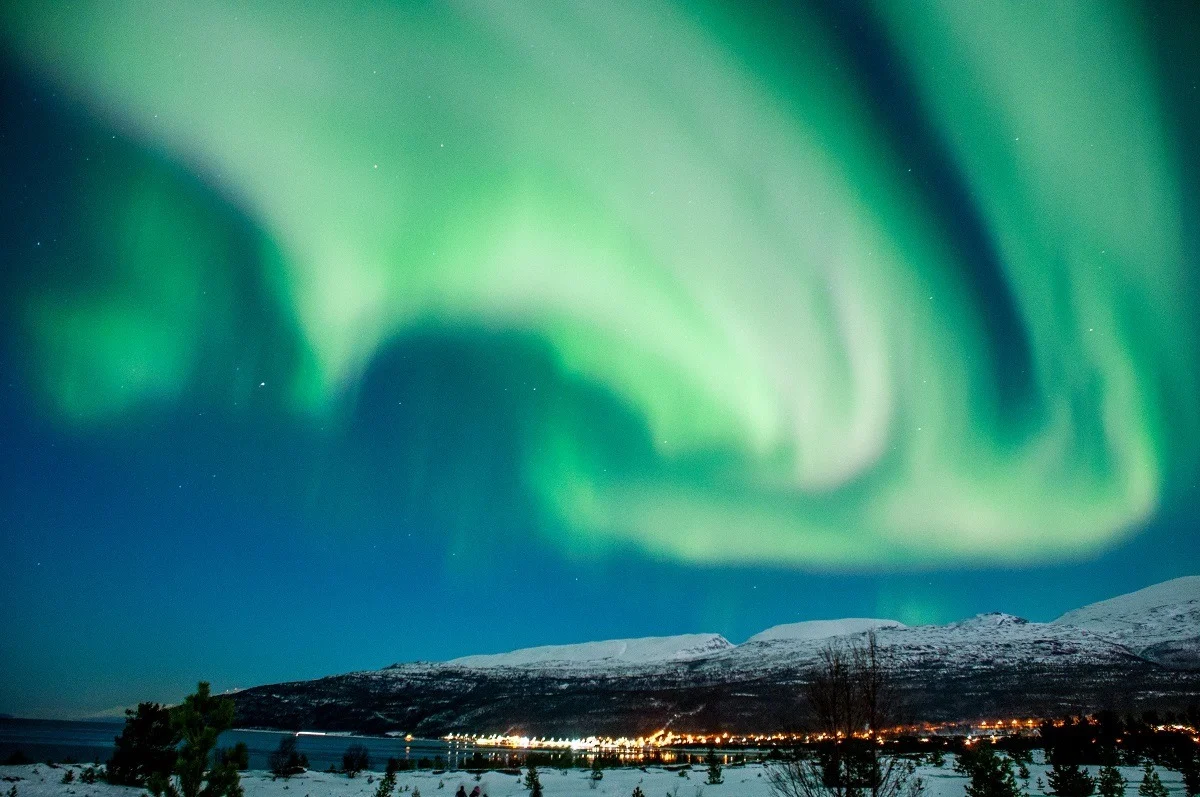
(982, 729)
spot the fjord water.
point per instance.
(65, 741)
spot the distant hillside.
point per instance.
(1135, 651)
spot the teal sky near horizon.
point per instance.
(816, 308)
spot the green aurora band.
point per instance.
(699, 210)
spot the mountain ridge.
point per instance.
(1131, 652)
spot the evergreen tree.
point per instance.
(1068, 780)
(199, 721)
(1152, 785)
(714, 768)
(532, 782)
(597, 770)
(388, 784)
(990, 774)
(1111, 783)
(637, 792)
(1190, 768)
(145, 748)
(937, 758)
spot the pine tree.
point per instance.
(1190, 769)
(990, 775)
(637, 792)
(1152, 785)
(1111, 783)
(145, 748)
(532, 782)
(199, 721)
(714, 769)
(1068, 780)
(388, 784)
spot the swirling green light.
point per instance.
(706, 218)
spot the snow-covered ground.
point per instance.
(39, 780)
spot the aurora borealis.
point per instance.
(852, 298)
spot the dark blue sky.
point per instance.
(186, 493)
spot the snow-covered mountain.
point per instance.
(1132, 652)
(647, 650)
(822, 629)
(1160, 623)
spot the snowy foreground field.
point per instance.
(39, 780)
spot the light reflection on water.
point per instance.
(64, 741)
(92, 742)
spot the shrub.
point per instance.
(355, 759)
(285, 761)
(146, 746)
(238, 756)
(68, 776)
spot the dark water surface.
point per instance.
(65, 741)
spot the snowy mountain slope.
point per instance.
(1135, 652)
(822, 629)
(647, 650)
(1161, 622)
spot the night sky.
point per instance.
(335, 334)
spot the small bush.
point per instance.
(355, 759)
(238, 756)
(285, 761)
(68, 776)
